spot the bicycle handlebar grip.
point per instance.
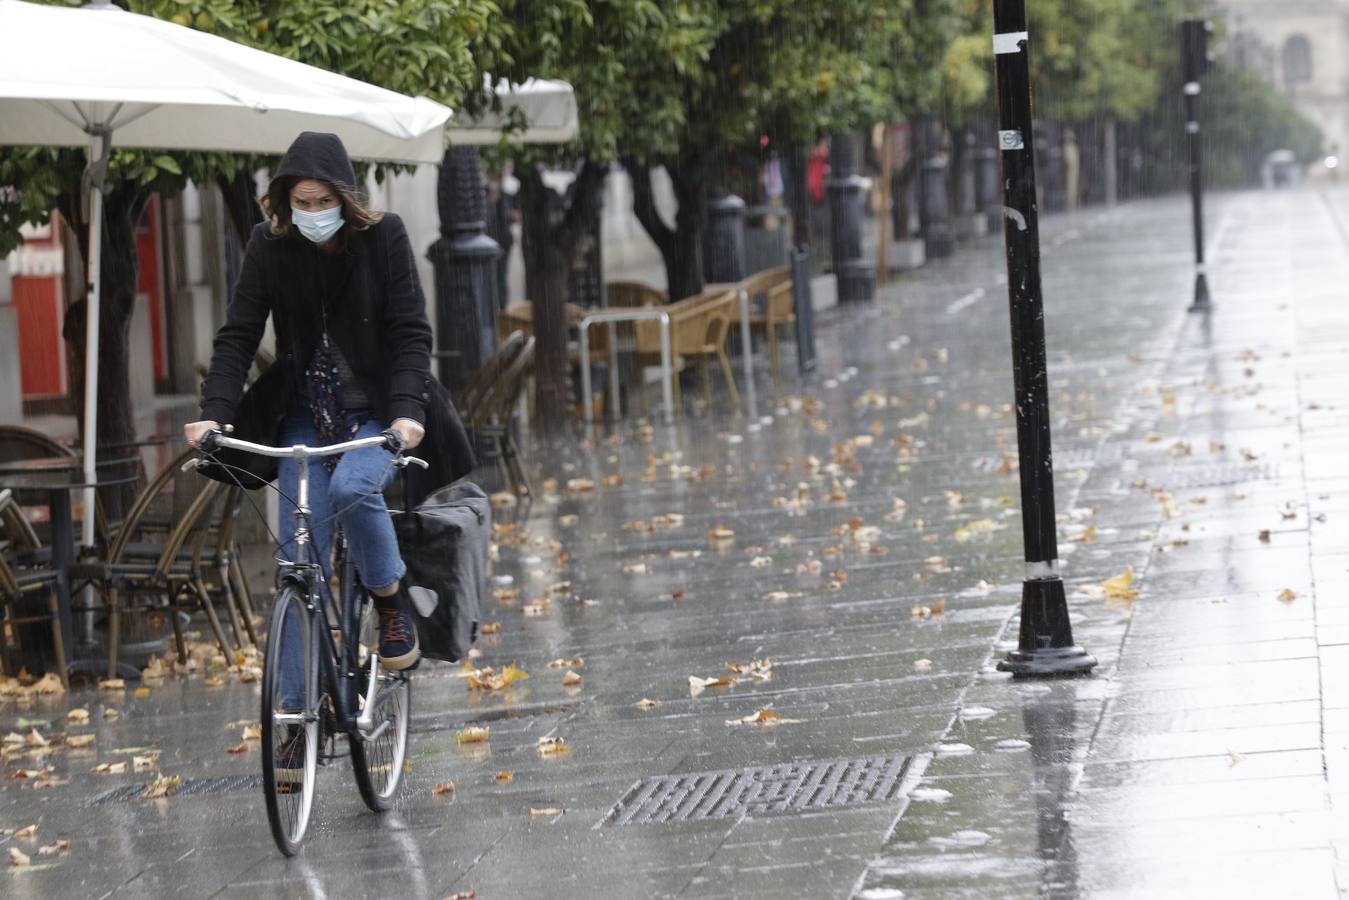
(207, 443)
(393, 441)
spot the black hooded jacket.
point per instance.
(369, 298)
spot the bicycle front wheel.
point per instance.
(378, 761)
(290, 720)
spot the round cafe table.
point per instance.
(57, 478)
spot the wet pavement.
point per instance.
(864, 537)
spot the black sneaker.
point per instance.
(398, 647)
(288, 764)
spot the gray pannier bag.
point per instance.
(444, 543)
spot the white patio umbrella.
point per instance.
(548, 108)
(97, 75)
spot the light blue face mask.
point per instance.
(317, 226)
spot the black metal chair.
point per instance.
(23, 573)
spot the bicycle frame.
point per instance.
(339, 667)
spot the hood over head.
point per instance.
(320, 156)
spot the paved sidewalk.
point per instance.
(875, 559)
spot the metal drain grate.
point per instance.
(769, 790)
(1220, 475)
(189, 788)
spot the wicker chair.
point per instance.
(490, 419)
(698, 329)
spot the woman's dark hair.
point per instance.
(356, 212)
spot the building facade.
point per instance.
(1301, 47)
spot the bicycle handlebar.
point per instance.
(390, 440)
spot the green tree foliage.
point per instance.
(629, 62)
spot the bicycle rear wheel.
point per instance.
(290, 720)
(378, 762)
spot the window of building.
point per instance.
(1297, 60)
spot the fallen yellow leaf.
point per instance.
(252, 732)
(112, 684)
(720, 533)
(241, 747)
(445, 787)
(1118, 588)
(474, 734)
(1287, 595)
(54, 848)
(78, 716)
(761, 669)
(17, 857)
(552, 746)
(49, 684)
(647, 703)
(698, 685)
(27, 831)
(545, 811)
(767, 718)
(164, 786)
(79, 740)
(571, 678)
(504, 777)
(487, 679)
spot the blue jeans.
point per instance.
(354, 495)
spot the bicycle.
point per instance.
(340, 674)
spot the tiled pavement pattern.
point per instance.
(1205, 758)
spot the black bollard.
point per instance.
(803, 304)
(1050, 137)
(856, 277)
(724, 240)
(1045, 645)
(986, 186)
(987, 196)
(934, 201)
(465, 260)
(1194, 61)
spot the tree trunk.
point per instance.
(122, 207)
(241, 204)
(550, 230)
(546, 286)
(681, 247)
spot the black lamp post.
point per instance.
(1045, 644)
(465, 260)
(1194, 60)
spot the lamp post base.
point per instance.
(1048, 662)
(1045, 647)
(1201, 299)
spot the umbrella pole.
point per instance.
(99, 147)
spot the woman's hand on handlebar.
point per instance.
(410, 431)
(194, 431)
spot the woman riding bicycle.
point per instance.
(340, 284)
